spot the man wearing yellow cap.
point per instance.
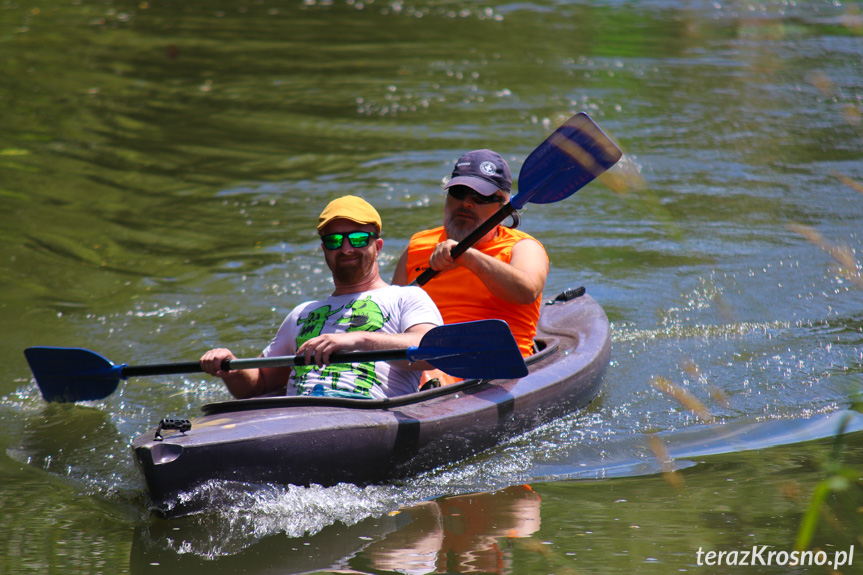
(364, 313)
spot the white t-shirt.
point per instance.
(392, 309)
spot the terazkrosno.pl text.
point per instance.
(763, 555)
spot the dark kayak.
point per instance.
(327, 440)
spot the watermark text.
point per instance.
(763, 555)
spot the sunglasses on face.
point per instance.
(461, 192)
(356, 239)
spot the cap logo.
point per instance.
(488, 168)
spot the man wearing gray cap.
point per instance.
(502, 276)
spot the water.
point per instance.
(161, 167)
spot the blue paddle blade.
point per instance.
(573, 156)
(475, 349)
(68, 374)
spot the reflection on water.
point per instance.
(292, 530)
(462, 534)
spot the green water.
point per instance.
(162, 164)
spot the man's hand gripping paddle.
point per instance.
(569, 159)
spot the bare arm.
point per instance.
(244, 383)
(520, 281)
(400, 276)
(318, 349)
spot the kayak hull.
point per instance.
(325, 441)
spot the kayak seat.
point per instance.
(432, 383)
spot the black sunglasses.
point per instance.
(356, 239)
(461, 192)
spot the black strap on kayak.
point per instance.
(567, 295)
(181, 425)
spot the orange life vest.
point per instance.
(461, 296)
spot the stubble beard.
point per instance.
(353, 272)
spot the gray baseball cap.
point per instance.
(482, 170)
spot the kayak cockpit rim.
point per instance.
(547, 346)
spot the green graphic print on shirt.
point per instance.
(365, 315)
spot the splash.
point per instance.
(239, 515)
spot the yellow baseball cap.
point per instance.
(350, 208)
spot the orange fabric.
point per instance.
(444, 378)
(461, 296)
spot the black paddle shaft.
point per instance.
(499, 216)
(483, 348)
(128, 371)
(234, 364)
(575, 154)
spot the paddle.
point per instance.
(570, 158)
(477, 349)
